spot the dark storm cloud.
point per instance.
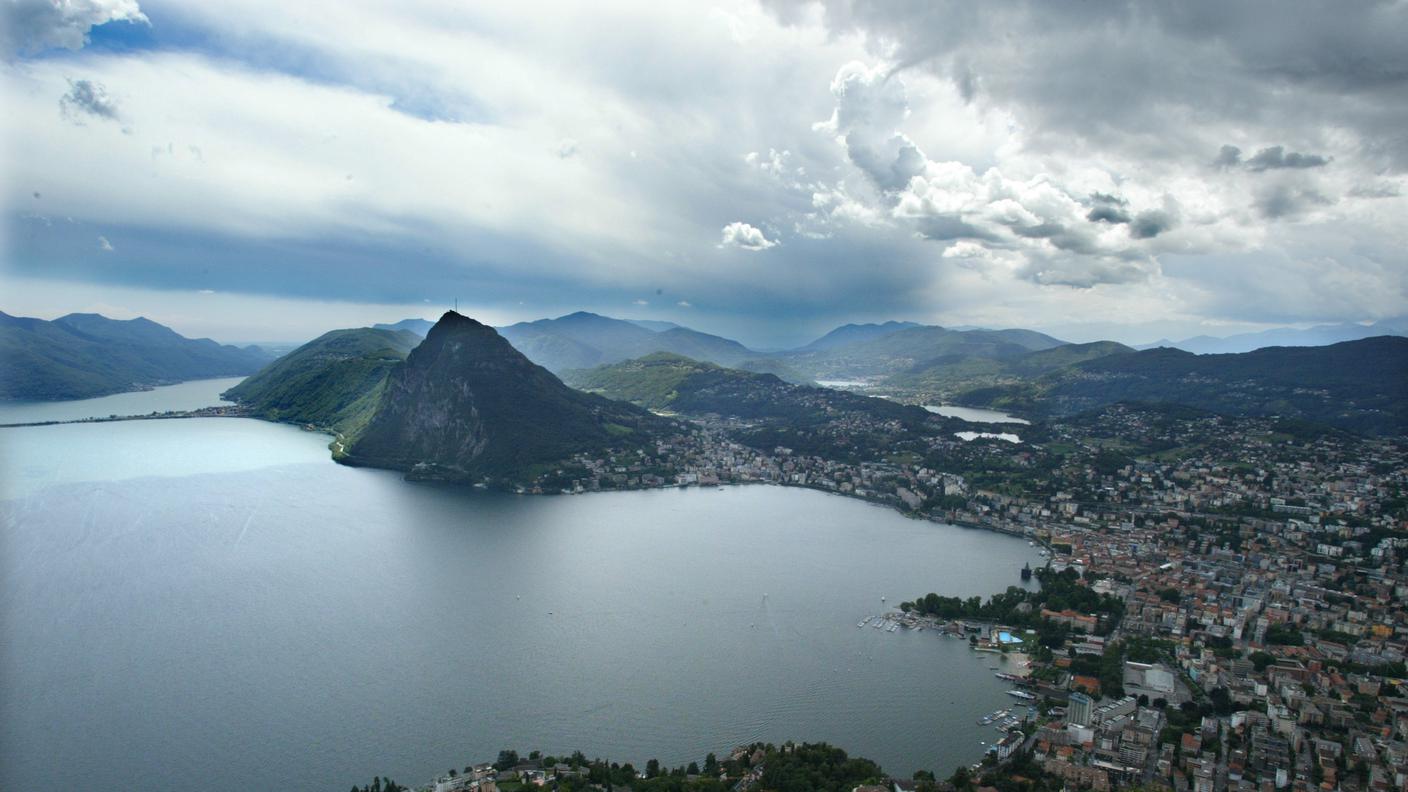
(1228, 157)
(1147, 225)
(1276, 157)
(1283, 201)
(1107, 213)
(1150, 75)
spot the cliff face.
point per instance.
(466, 405)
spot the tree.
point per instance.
(652, 768)
(693, 769)
(506, 760)
(711, 765)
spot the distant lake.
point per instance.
(1008, 436)
(214, 603)
(974, 414)
(185, 396)
(843, 384)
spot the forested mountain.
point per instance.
(665, 381)
(884, 355)
(1357, 385)
(465, 405)
(854, 334)
(84, 355)
(940, 379)
(334, 381)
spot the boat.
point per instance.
(1021, 694)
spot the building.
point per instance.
(1078, 711)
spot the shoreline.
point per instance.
(337, 457)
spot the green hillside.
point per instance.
(333, 381)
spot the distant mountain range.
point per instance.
(1358, 385)
(666, 381)
(1320, 335)
(418, 326)
(80, 356)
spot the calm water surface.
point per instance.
(974, 414)
(214, 599)
(185, 396)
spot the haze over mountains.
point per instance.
(1319, 335)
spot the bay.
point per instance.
(214, 602)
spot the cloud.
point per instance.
(1147, 225)
(1228, 156)
(85, 99)
(742, 235)
(104, 244)
(640, 302)
(1276, 157)
(1377, 190)
(32, 26)
(1288, 201)
(684, 304)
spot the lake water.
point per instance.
(974, 414)
(185, 396)
(214, 603)
(1008, 436)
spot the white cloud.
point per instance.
(685, 304)
(104, 244)
(741, 235)
(640, 302)
(30, 26)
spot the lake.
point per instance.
(974, 414)
(1008, 436)
(214, 603)
(184, 396)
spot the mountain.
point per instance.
(418, 326)
(855, 333)
(334, 381)
(465, 405)
(1321, 335)
(583, 340)
(666, 381)
(85, 355)
(942, 378)
(903, 350)
(1357, 385)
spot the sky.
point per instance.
(258, 170)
